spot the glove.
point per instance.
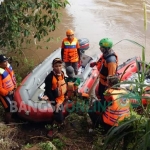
(92, 64)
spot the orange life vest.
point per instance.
(101, 63)
(59, 88)
(102, 66)
(71, 88)
(70, 51)
(119, 109)
(8, 78)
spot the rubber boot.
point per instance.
(8, 118)
(50, 133)
(60, 127)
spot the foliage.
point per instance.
(21, 21)
(133, 133)
(49, 126)
(58, 143)
(28, 145)
(47, 146)
(21, 65)
(78, 117)
(129, 134)
(7, 135)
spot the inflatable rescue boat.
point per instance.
(30, 107)
(128, 68)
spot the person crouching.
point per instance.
(117, 108)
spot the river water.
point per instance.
(96, 19)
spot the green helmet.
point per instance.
(106, 43)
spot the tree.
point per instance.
(23, 20)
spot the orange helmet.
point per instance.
(69, 32)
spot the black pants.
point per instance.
(97, 118)
(102, 88)
(7, 102)
(58, 115)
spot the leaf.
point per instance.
(26, 60)
(38, 37)
(26, 33)
(48, 39)
(147, 136)
(117, 133)
(131, 42)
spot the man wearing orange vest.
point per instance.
(55, 89)
(7, 87)
(70, 52)
(117, 108)
(107, 65)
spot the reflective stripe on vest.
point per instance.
(118, 110)
(8, 79)
(70, 51)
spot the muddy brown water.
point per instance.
(117, 19)
(96, 19)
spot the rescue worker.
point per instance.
(70, 52)
(7, 87)
(55, 89)
(117, 108)
(72, 83)
(107, 65)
